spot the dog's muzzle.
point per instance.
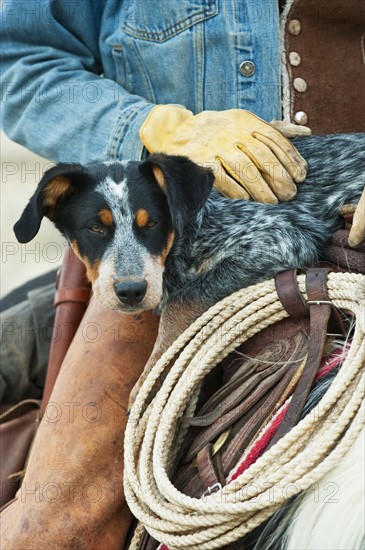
(131, 292)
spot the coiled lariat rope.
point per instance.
(298, 460)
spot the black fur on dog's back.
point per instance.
(232, 244)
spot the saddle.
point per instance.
(240, 396)
(253, 384)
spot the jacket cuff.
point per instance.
(125, 142)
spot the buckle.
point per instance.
(212, 489)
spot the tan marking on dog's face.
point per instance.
(166, 250)
(92, 270)
(142, 218)
(75, 248)
(105, 216)
(160, 178)
(58, 187)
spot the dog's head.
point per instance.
(121, 219)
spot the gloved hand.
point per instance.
(249, 157)
(357, 231)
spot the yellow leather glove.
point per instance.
(249, 157)
(357, 231)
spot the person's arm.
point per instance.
(55, 100)
(57, 103)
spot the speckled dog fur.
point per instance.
(159, 221)
(232, 244)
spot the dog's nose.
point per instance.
(131, 292)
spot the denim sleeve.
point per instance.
(55, 100)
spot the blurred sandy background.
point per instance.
(21, 171)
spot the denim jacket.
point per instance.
(79, 78)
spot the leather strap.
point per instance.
(248, 401)
(289, 294)
(252, 393)
(292, 300)
(247, 431)
(247, 387)
(12, 412)
(210, 472)
(320, 312)
(72, 296)
(78, 295)
(316, 285)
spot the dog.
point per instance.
(154, 230)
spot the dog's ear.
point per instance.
(186, 185)
(58, 182)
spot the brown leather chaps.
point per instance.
(72, 493)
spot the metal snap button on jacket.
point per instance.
(247, 68)
(301, 117)
(294, 26)
(300, 84)
(294, 59)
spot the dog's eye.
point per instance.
(151, 223)
(96, 228)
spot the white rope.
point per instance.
(304, 455)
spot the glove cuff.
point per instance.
(160, 124)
